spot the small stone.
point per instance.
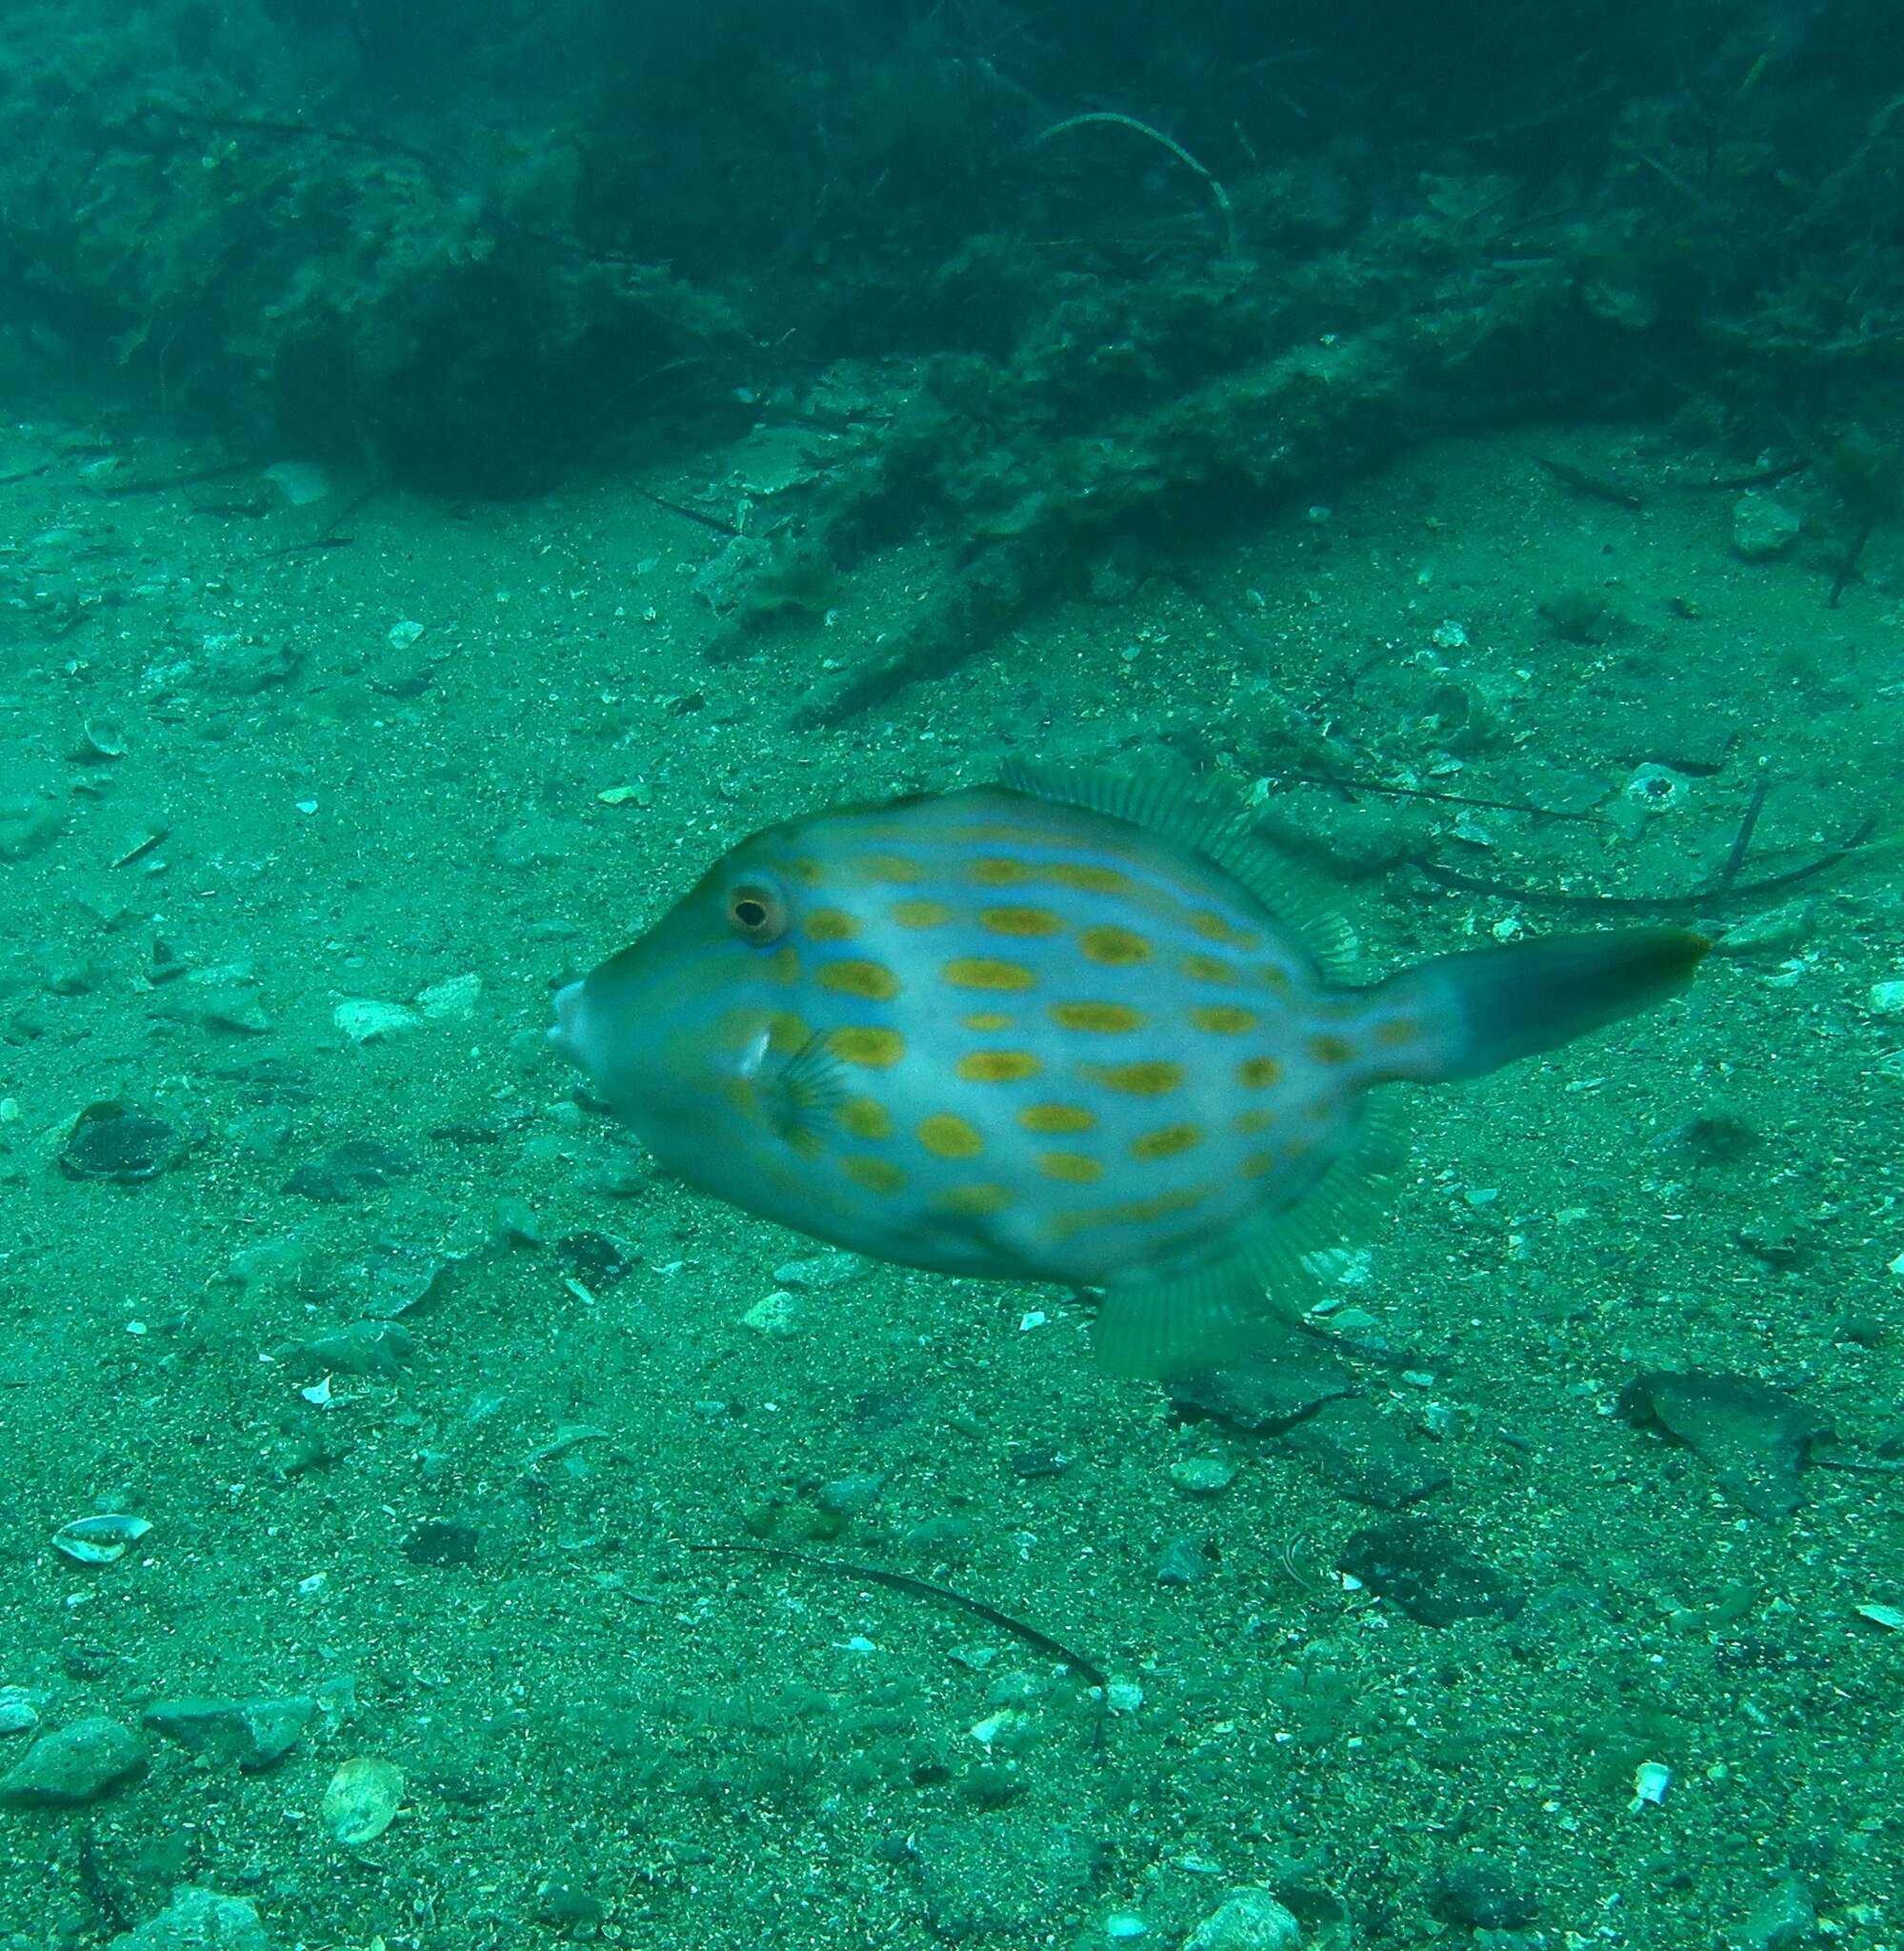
(1359, 1453)
(1203, 1476)
(100, 1540)
(1886, 999)
(400, 637)
(356, 1165)
(17, 1713)
(1429, 1574)
(1482, 1896)
(199, 1921)
(75, 1765)
(255, 1733)
(1754, 1438)
(1250, 1918)
(1784, 1918)
(847, 1496)
(362, 1799)
(1266, 1392)
(118, 1142)
(454, 1001)
(1762, 526)
(443, 1541)
(1771, 932)
(822, 1271)
(775, 1316)
(1183, 1561)
(363, 1348)
(363, 1020)
(1003, 1878)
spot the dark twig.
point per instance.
(1590, 485)
(924, 1588)
(1735, 860)
(1734, 484)
(1848, 568)
(692, 515)
(1710, 895)
(1446, 798)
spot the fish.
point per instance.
(1069, 1029)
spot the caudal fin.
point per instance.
(1463, 1015)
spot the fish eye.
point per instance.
(756, 914)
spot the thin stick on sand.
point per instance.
(1176, 148)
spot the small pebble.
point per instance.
(362, 1021)
(1203, 1476)
(822, 1271)
(1886, 999)
(17, 1713)
(1183, 1561)
(1762, 526)
(774, 1316)
(75, 1765)
(362, 1799)
(1249, 1920)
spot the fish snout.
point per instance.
(564, 1031)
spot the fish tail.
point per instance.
(1464, 1015)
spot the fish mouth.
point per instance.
(563, 1032)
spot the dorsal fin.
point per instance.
(1193, 815)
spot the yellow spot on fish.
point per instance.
(1258, 1164)
(1116, 946)
(829, 924)
(1271, 977)
(1208, 969)
(874, 1175)
(875, 1048)
(1094, 880)
(1167, 1141)
(921, 913)
(872, 980)
(1296, 1148)
(783, 965)
(1245, 1122)
(947, 1137)
(974, 1201)
(897, 869)
(1397, 1031)
(998, 871)
(1024, 921)
(1225, 1018)
(997, 1066)
(806, 870)
(1131, 1213)
(1327, 1049)
(1140, 1080)
(1072, 1167)
(1319, 1108)
(989, 1019)
(1095, 1015)
(1056, 1118)
(987, 972)
(866, 1117)
(1214, 927)
(1256, 1072)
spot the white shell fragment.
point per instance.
(99, 1540)
(1881, 1615)
(362, 1801)
(1651, 1781)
